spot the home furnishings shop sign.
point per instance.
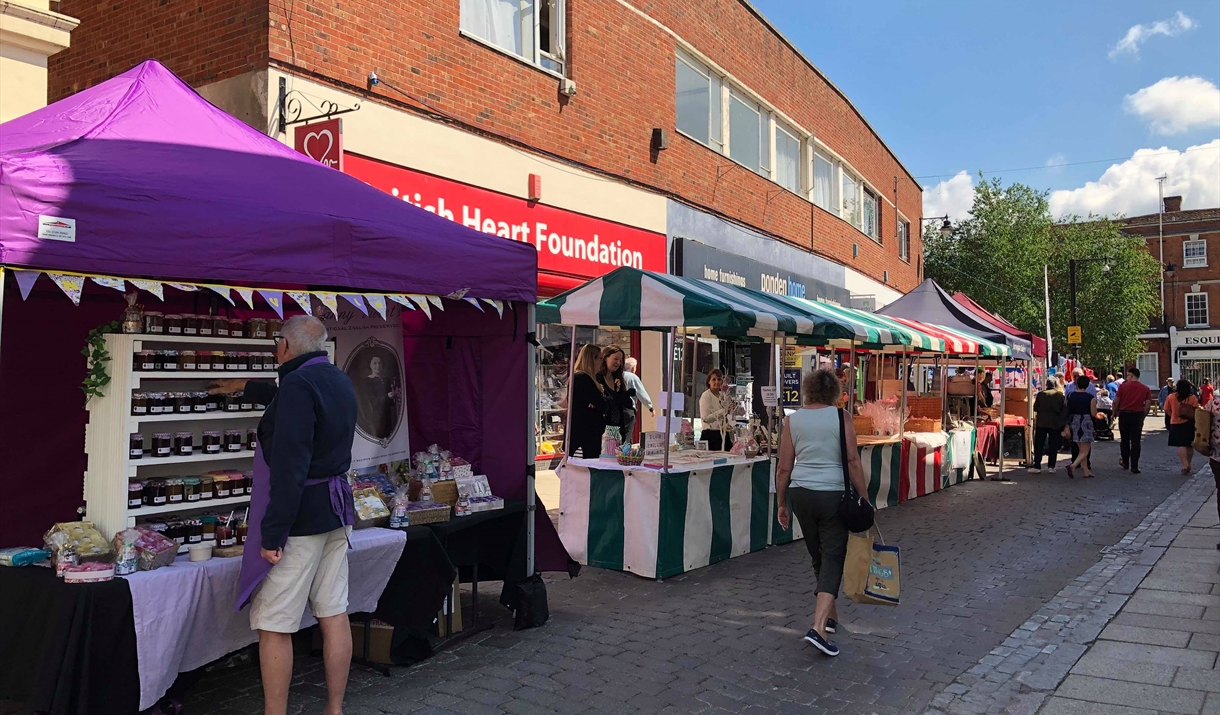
(698, 260)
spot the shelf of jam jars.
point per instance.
(204, 375)
(198, 339)
(192, 416)
(202, 505)
(147, 461)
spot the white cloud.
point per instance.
(1176, 104)
(1130, 187)
(1057, 160)
(1139, 34)
(953, 197)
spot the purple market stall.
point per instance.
(137, 201)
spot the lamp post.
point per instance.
(1072, 263)
(946, 227)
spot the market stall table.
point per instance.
(659, 524)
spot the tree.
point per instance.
(997, 254)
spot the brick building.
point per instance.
(1185, 342)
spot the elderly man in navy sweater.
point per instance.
(302, 510)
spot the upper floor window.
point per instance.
(698, 103)
(1194, 253)
(871, 217)
(787, 158)
(531, 29)
(825, 188)
(745, 135)
(904, 240)
(851, 200)
(1196, 310)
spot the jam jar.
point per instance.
(184, 443)
(190, 488)
(209, 529)
(257, 328)
(153, 322)
(225, 536)
(176, 530)
(154, 492)
(207, 488)
(169, 360)
(158, 359)
(211, 442)
(255, 361)
(220, 485)
(153, 400)
(143, 360)
(233, 440)
(237, 328)
(162, 444)
(190, 324)
(182, 403)
(199, 402)
(243, 361)
(139, 403)
(220, 326)
(173, 324)
(166, 401)
(251, 438)
(205, 324)
(241, 531)
(231, 361)
(218, 360)
(194, 531)
(239, 484)
(186, 360)
(247, 403)
(135, 449)
(173, 490)
(213, 402)
(274, 327)
(135, 494)
(232, 402)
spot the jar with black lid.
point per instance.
(135, 449)
(153, 322)
(247, 404)
(186, 360)
(139, 403)
(169, 360)
(190, 324)
(233, 440)
(211, 442)
(251, 438)
(182, 403)
(205, 324)
(162, 444)
(184, 443)
(173, 324)
(213, 402)
(232, 402)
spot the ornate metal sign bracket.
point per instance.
(291, 106)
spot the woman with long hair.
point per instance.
(1081, 408)
(1180, 410)
(619, 398)
(716, 412)
(588, 405)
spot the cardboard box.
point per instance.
(381, 636)
(456, 600)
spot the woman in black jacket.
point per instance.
(620, 400)
(588, 406)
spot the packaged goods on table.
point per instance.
(370, 509)
(81, 538)
(153, 549)
(92, 572)
(22, 556)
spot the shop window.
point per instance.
(531, 29)
(787, 158)
(869, 217)
(824, 186)
(745, 132)
(1196, 310)
(1150, 374)
(1194, 253)
(698, 102)
(851, 200)
(904, 240)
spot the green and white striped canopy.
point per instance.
(865, 328)
(632, 298)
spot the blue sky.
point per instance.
(969, 86)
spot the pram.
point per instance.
(1103, 429)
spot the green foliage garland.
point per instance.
(96, 357)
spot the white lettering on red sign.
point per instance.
(567, 242)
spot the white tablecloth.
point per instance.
(184, 613)
(679, 462)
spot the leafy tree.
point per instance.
(997, 254)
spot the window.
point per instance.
(694, 101)
(870, 217)
(1194, 253)
(744, 132)
(1150, 373)
(531, 29)
(824, 184)
(1196, 310)
(904, 240)
(787, 158)
(851, 200)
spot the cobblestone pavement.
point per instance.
(979, 560)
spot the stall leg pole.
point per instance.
(975, 401)
(667, 377)
(531, 341)
(853, 378)
(902, 402)
(567, 428)
(1000, 369)
(1029, 412)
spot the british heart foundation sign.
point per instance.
(322, 142)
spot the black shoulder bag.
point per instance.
(855, 513)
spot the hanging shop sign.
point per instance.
(698, 260)
(322, 142)
(567, 242)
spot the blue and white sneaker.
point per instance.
(832, 626)
(821, 643)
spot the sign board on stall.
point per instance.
(654, 446)
(1074, 335)
(769, 397)
(663, 401)
(792, 387)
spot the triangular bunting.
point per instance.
(474, 302)
(153, 287)
(302, 299)
(458, 294)
(115, 283)
(222, 291)
(247, 294)
(330, 300)
(184, 286)
(25, 281)
(422, 302)
(436, 300)
(499, 306)
(402, 300)
(275, 299)
(70, 285)
(357, 301)
(377, 301)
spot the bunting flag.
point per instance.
(153, 287)
(70, 285)
(422, 302)
(247, 294)
(302, 300)
(458, 294)
(402, 300)
(499, 306)
(115, 283)
(275, 299)
(25, 281)
(475, 303)
(435, 300)
(184, 286)
(377, 301)
(357, 301)
(222, 291)
(330, 300)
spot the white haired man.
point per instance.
(632, 381)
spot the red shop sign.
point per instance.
(567, 242)
(322, 142)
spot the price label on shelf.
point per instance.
(770, 396)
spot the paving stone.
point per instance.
(1185, 625)
(1150, 595)
(1155, 654)
(1063, 706)
(1205, 641)
(1128, 670)
(1198, 679)
(1150, 636)
(1212, 706)
(1161, 584)
(1161, 608)
(1139, 695)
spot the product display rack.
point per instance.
(110, 467)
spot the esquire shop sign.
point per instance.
(567, 242)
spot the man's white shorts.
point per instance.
(313, 569)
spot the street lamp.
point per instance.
(946, 228)
(1072, 263)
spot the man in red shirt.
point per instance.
(1132, 403)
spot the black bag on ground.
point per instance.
(855, 512)
(527, 600)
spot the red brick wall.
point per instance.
(1182, 280)
(200, 40)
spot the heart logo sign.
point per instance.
(313, 152)
(322, 142)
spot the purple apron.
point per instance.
(254, 568)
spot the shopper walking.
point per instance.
(1081, 408)
(1112, 386)
(812, 461)
(1180, 407)
(641, 399)
(1049, 408)
(716, 412)
(620, 400)
(301, 512)
(1206, 391)
(588, 405)
(1132, 404)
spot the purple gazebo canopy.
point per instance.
(162, 184)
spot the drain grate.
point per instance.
(1123, 550)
